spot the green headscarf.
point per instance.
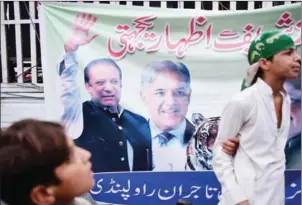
(265, 46)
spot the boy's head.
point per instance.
(273, 54)
(40, 165)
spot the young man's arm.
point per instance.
(231, 122)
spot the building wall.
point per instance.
(19, 102)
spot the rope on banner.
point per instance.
(228, 9)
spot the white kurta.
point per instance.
(256, 172)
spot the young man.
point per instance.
(39, 165)
(260, 117)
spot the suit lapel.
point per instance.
(144, 129)
(190, 129)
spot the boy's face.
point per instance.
(75, 175)
(285, 64)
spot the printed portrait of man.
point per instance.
(100, 125)
(166, 92)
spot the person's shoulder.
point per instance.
(87, 104)
(2, 203)
(243, 100)
(81, 201)
(190, 125)
(136, 116)
(245, 94)
(88, 107)
(85, 198)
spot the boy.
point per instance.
(39, 165)
(260, 116)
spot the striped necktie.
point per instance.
(164, 138)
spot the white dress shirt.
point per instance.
(72, 117)
(256, 172)
(173, 156)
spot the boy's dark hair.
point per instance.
(30, 150)
(183, 202)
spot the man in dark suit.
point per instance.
(166, 92)
(101, 125)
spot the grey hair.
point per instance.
(152, 69)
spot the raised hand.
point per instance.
(80, 35)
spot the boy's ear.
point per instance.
(265, 64)
(43, 195)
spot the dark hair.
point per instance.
(183, 202)
(30, 150)
(102, 61)
(260, 73)
(150, 71)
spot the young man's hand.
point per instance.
(230, 146)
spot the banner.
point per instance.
(119, 77)
(162, 188)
